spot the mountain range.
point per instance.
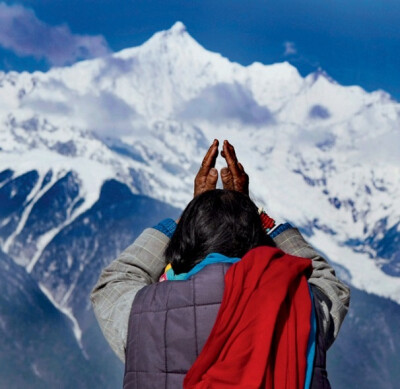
(93, 153)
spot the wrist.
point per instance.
(279, 229)
(167, 227)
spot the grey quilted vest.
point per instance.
(169, 324)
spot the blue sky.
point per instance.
(354, 41)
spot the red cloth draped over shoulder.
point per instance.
(260, 336)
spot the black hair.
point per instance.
(216, 221)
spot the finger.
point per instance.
(207, 164)
(210, 158)
(230, 158)
(227, 179)
(214, 154)
(211, 180)
(241, 167)
(232, 151)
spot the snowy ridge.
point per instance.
(67, 312)
(320, 155)
(364, 273)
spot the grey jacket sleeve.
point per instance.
(143, 262)
(139, 265)
(336, 305)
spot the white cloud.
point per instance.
(100, 111)
(290, 48)
(23, 33)
(224, 102)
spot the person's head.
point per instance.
(216, 221)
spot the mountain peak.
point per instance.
(171, 44)
(320, 73)
(176, 33)
(178, 28)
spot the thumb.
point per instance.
(226, 178)
(212, 178)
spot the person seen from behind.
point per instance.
(240, 304)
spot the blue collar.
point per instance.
(208, 260)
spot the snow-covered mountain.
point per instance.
(321, 155)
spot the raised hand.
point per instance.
(207, 177)
(233, 176)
